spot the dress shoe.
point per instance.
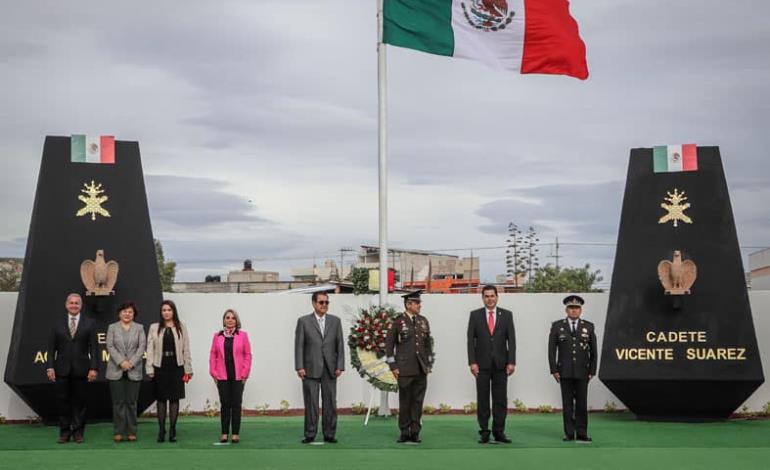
(330, 440)
(308, 440)
(172, 435)
(162, 436)
(484, 439)
(415, 438)
(568, 438)
(63, 439)
(117, 438)
(78, 439)
(584, 440)
(502, 438)
(403, 438)
(132, 438)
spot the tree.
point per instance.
(521, 253)
(514, 254)
(10, 277)
(167, 269)
(552, 279)
(530, 252)
(360, 279)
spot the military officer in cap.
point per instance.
(409, 352)
(572, 355)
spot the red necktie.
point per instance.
(491, 322)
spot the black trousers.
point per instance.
(231, 399)
(495, 380)
(574, 399)
(71, 402)
(327, 387)
(411, 393)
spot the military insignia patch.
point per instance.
(487, 15)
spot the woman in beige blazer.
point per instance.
(169, 365)
(125, 344)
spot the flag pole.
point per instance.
(382, 155)
(384, 409)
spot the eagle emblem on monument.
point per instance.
(677, 276)
(99, 276)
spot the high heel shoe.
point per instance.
(162, 436)
(172, 435)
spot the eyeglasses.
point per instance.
(323, 302)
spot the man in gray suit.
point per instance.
(319, 358)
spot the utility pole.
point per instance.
(343, 250)
(470, 281)
(556, 255)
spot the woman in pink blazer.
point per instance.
(229, 365)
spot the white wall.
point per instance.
(270, 321)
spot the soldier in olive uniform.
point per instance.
(572, 355)
(409, 351)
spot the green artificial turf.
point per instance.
(620, 442)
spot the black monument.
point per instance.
(81, 208)
(687, 357)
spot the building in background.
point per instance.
(247, 280)
(329, 271)
(759, 265)
(247, 274)
(427, 270)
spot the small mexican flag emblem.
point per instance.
(671, 158)
(92, 149)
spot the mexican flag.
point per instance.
(526, 36)
(92, 149)
(671, 158)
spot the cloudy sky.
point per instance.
(257, 123)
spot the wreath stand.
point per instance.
(384, 409)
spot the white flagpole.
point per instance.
(383, 175)
(382, 155)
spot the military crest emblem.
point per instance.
(93, 197)
(675, 205)
(487, 15)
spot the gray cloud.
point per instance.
(196, 203)
(569, 209)
(13, 248)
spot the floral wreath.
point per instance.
(367, 346)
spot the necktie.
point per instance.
(73, 327)
(573, 325)
(321, 325)
(491, 322)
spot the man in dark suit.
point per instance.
(492, 358)
(72, 360)
(409, 353)
(319, 358)
(572, 355)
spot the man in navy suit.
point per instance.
(492, 358)
(72, 360)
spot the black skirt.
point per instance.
(168, 383)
